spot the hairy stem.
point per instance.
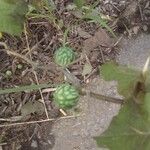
(103, 97)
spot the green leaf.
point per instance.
(126, 77)
(79, 3)
(146, 106)
(12, 16)
(128, 131)
(95, 17)
(147, 81)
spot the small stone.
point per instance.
(136, 29)
(34, 144)
(145, 28)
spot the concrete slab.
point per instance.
(135, 51)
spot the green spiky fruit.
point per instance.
(64, 56)
(66, 96)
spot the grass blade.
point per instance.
(24, 88)
(97, 19)
(79, 3)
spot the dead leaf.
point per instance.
(83, 33)
(31, 107)
(100, 38)
(130, 9)
(86, 69)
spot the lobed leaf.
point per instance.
(126, 77)
(128, 131)
(12, 16)
(146, 106)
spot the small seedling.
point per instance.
(8, 73)
(64, 56)
(19, 66)
(66, 96)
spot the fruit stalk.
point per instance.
(102, 97)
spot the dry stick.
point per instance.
(140, 11)
(28, 47)
(46, 112)
(9, 52)
(33, 64)
(7, 120)
(36, 45)
(40, 121)
(63, 112)
(102, 55)
(118, 41)
(2, 144)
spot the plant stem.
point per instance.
(103, 97)
(65, 36)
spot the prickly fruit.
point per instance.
(64, 56)
(66, 96)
